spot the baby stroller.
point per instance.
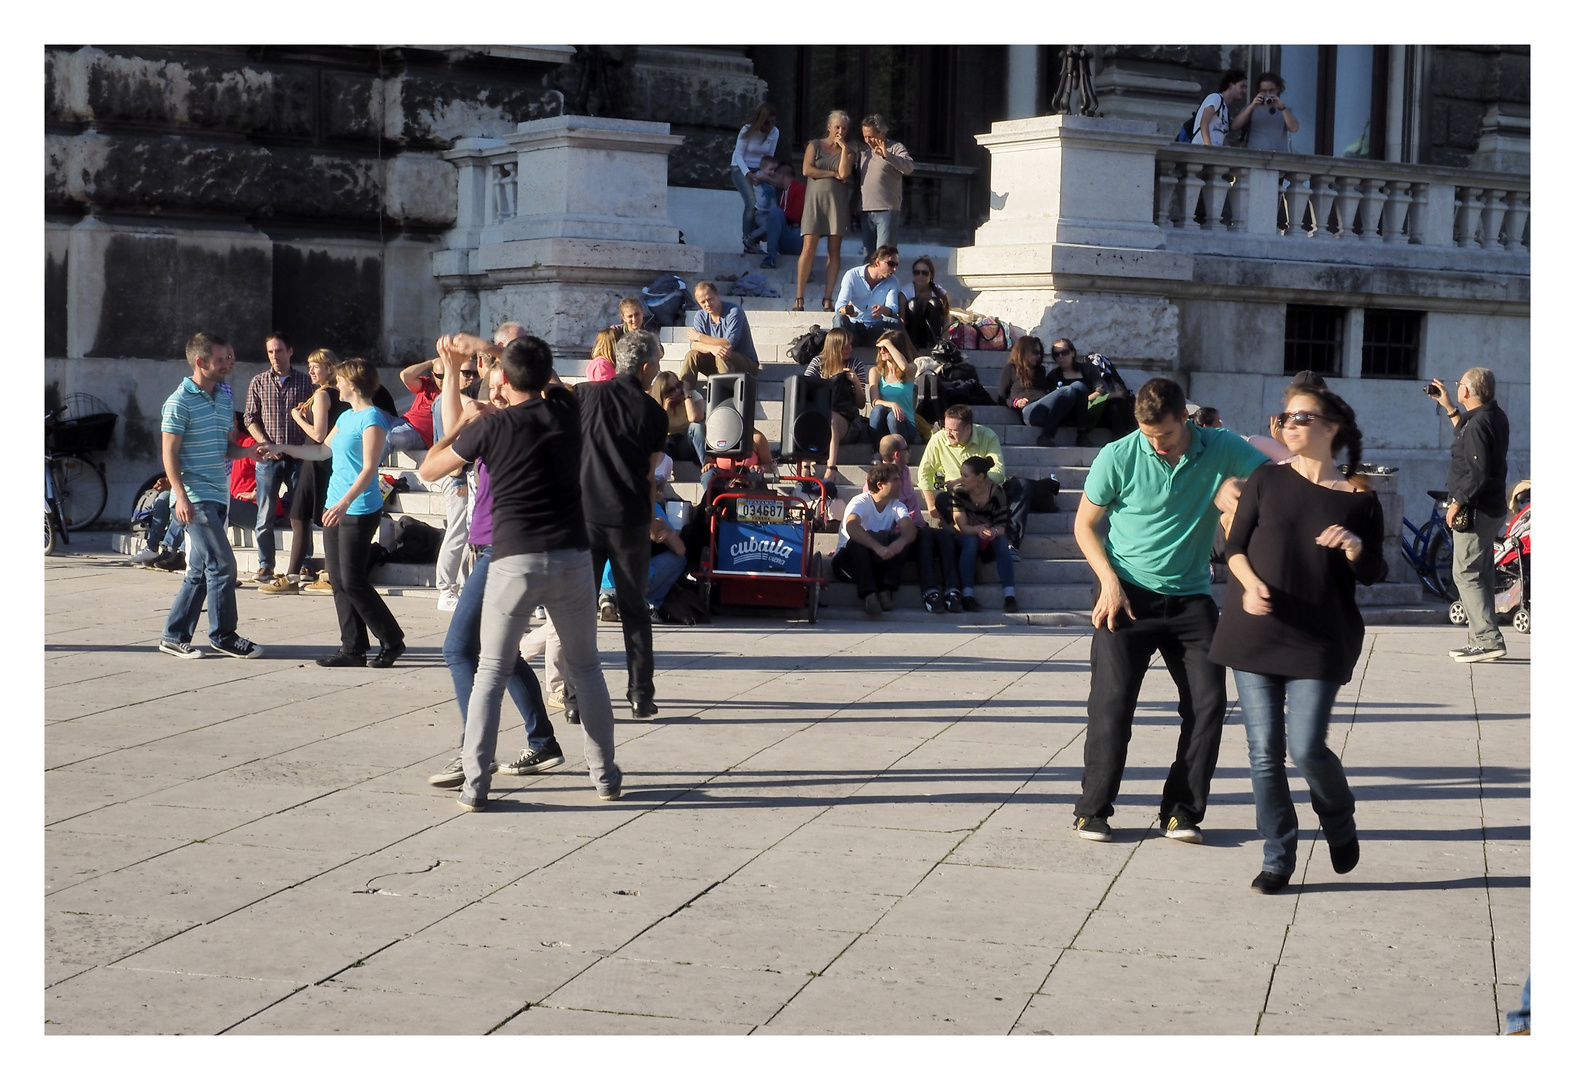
(1511, 565)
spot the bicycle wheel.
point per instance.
(1439, 560)
(80, 487)
(49, 535)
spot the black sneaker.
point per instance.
(1180, 827)
(610, 792)
(1269, 882)
(1009, 605)
(237, 646)
(933, 603)
(453, 774)
(387, 655)
(1476, 654)
(954, 602)
(183, 649)
(970, 604)
(342, 659)
(171, 561)
(1344, 857)
(534, 761)
(1092, 828)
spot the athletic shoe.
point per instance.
(883, 597)
(933, 603)
(148, 555)
(607, 609)
(238, 647)
(279, 586)
(1476, 654)
(171, 561)
(1344, 857)
(448, 599)
(1181, 828)
(971, 604)
(183, 649)
(322, 585)
(872, 606)
(1009, 605)
(342, 659)
(533, 761)
(555, 701)
(1017, 556)
(262, 577)
(1092, 828)
(387, 655)
(954, 602)
(471, 805)
(609, 792)
(1460, 651)
(453, 774)
(1269, 883)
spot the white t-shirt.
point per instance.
(862, 506)
(1219, 127)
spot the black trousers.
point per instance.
(628, 548)
(347, 549)
(936, 544)
(858, 564)
(1181, 629)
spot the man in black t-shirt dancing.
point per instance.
(540, 555)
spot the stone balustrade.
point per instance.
(1304, 198)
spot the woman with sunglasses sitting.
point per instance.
(928, 311)
(1306, 532)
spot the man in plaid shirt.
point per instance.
(269, 398)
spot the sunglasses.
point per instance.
(1059, 352)
(1298, 419)
(464, 373)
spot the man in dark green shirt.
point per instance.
(1163, 487)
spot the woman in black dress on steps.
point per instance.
(1305, 533)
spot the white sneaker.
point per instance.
(448, 599)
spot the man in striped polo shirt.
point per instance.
(198, 426)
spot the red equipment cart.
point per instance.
(761, 550)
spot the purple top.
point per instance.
(481, 512)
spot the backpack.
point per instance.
(414, 542)
(959, 379)
(804, 348)
(667, 298)
(683, 605)
(1187, 131)
(1110, 380)
(929, 397)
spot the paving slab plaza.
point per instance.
(855, 827)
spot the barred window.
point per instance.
(1391, 344)
(1314, 337)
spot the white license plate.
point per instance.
(762, 510)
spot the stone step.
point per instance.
(1387, 600)
(390, 578)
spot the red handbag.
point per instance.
(963, 335)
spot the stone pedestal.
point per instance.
(557, 222)
(1071, 248)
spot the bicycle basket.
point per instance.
(80, 435)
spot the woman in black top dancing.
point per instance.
(1305, 533)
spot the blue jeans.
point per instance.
(515, 585)
(164, 528)
(1051, 411)
(210, 575)
(880, 228)
(745, 187)
(270, 476)
(968, 555)
(666, 568)
(404, 436)
(864, 333)
(462, 648)
(1281, 713)
(781, 238)
(883, 422)
(1518, 1020)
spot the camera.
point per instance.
(1430, 390)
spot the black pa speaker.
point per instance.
(806, 418)
(730, 415)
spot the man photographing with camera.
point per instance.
(1477, 505)
(1267, 118)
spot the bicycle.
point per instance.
(82, 425)
(1430, 550)
(54, 522)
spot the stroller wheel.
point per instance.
(1457, 614)
(1522, 621)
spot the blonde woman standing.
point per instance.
(827, 166)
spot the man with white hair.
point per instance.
(625, 437)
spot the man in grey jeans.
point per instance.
(540, 555)
(1477, 467)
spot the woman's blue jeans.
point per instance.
(1292, 715)
(998, 549)
(883, 422)
(746, 188)
(462, 650)
(1051, 411)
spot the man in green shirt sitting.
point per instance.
(1163, 487)
(941, 468)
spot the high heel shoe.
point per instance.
(798, 303)
(825, 304)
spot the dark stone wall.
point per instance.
(1464, 81)
(328, 301)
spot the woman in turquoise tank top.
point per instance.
(891, 388)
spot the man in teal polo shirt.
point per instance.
(198, 426)
(1163, 487)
